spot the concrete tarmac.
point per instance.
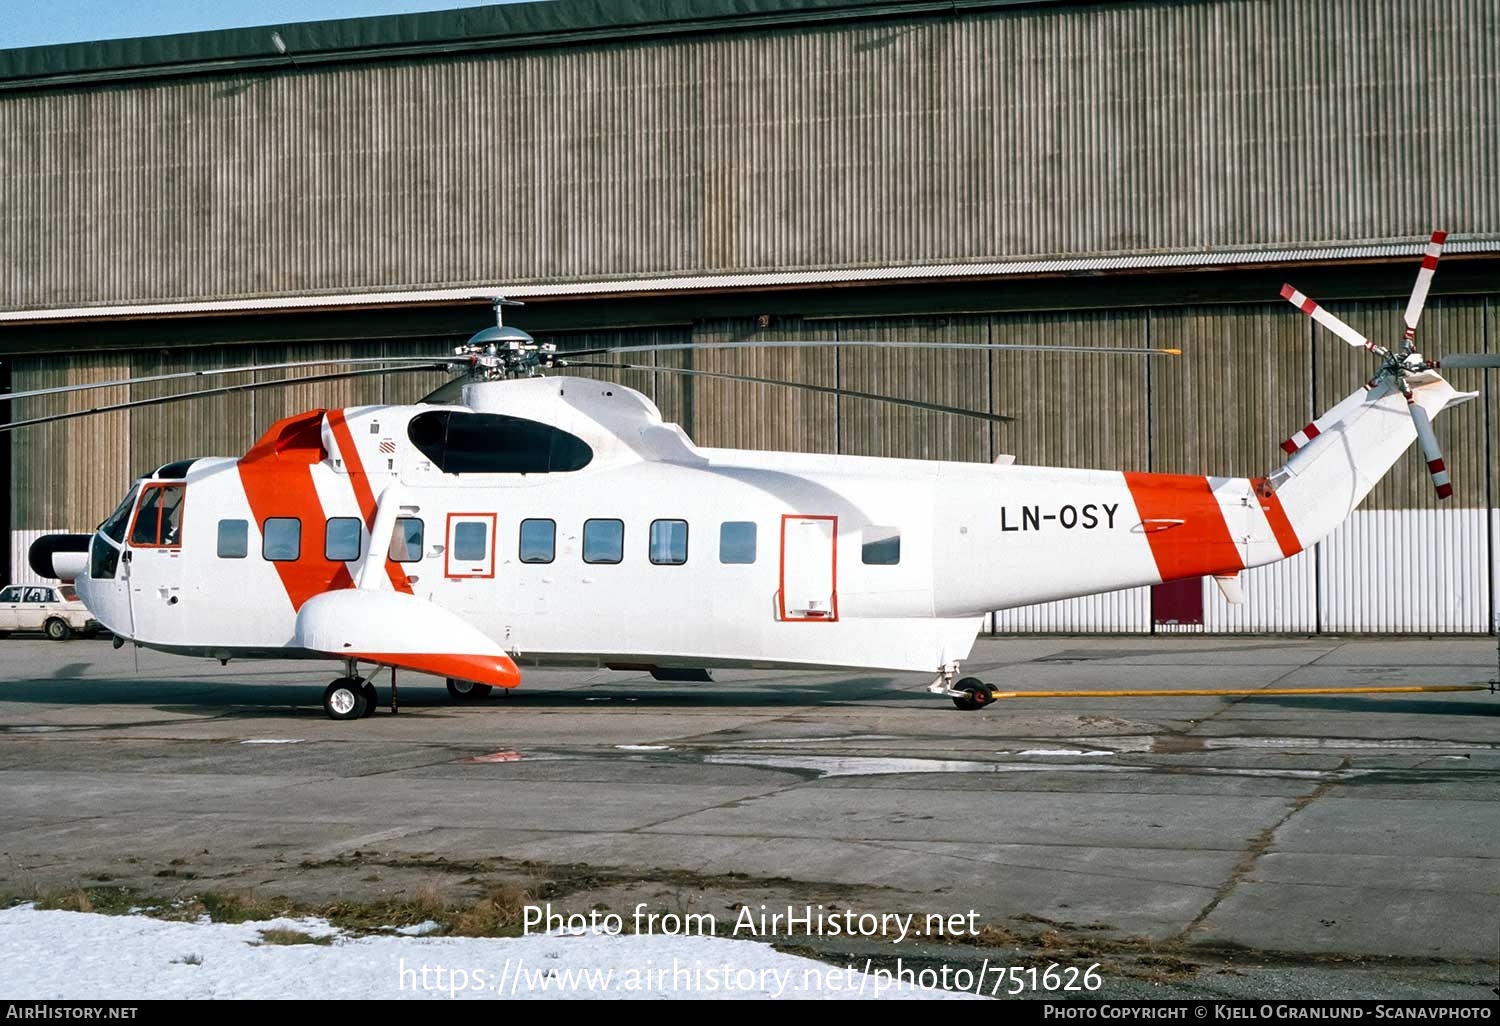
(1332, 841)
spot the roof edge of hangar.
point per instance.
(705, 283)
(493, 27)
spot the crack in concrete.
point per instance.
(1258, 847)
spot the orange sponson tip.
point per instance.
(498, 671)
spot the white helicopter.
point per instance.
(516, 516)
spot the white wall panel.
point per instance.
(1407, 570)
(1124, 612)
(1281, 597)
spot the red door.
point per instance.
(1178, 603)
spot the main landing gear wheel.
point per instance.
(467, 690)
(372, 698)
(976, 694)
(344, 699)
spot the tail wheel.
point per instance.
(467, 690)
(57, 630)
(344, 699)
(976, 694)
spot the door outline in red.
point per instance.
(833, 599)
(492, 543)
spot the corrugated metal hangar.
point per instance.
(1112, 173)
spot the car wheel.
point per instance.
(57, 630)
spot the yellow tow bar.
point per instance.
(1405, 689)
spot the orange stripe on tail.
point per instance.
(1281, 526)
(1198, 547)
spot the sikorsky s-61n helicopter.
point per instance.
(522, 516)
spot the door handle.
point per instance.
(127, 556)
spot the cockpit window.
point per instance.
(114, 524)
(158, 520)
(491, 443)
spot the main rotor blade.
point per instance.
(1329, 321)
(1468, 360)
(824, 389)
(220, 371)
(817, 343)
(247, 386)
(1424, 282)
(1431, 451)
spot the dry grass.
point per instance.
(281, 936)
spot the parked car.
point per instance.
(52, 609)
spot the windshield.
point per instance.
(114, 525)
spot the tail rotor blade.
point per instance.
(1424, 282)
(1481, 360)
(1431, 451)
(1329, 321)
(1304, 437)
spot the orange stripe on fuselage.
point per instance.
(277, 477)
(1281, 525)
(1201, 545)
(363, 493)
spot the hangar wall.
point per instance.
(996, 134)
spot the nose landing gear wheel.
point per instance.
(467, 690)
(344, 699)
(976, 694)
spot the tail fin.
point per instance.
(1325, 480)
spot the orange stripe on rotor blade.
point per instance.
(498, 671)
(1281, 525)
(363, 493)
(1201, 545)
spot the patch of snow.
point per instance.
(1064, 751)
(73, 956)
(644, 748)
(419, 929)
(272, 741)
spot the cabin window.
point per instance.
(737, 541)
(282, 539)
(406, 540)
(158, 519)
(471, 541)
(668, 542)
(234, 539)
(881, 546)
(538, 541)
(10, 595)
(490, 443)
(343, 539)
(603, 541)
